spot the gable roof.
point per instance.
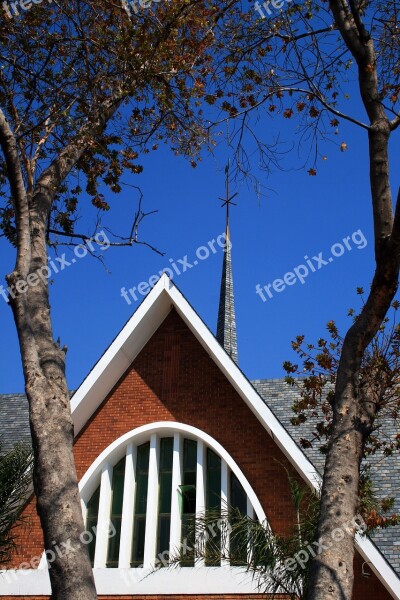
(130, 341)
(133, 337)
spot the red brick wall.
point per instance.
(174, 379)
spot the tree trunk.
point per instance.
(43, 361)
(332, 576)
(354, 409)
(332, 570)
(55, 479)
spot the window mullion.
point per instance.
(250, 514)
(84, 510)
(224, 508)
(125, 548)
(250, 509)
(176, 523)
(200, 485)
(152, 504)
(103, 523)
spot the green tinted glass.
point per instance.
(189, 455)
(188, 540)
(213, 480)
(165, 490)
(141, 493)
(143, 453)
(91, 521)
(166, 453)
(139, 522)
(188, 492)
(238, 500)
(213, 506)
(164, 527)
(138, 542)
(116, 512)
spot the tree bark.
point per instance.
(43, 361)
(354, 412)
(55, 479)
(354, 409)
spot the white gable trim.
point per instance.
(130, 341)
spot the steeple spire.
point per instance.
(226, 326)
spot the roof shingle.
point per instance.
(385, 471)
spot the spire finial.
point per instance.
(226, 327)
(227, 201)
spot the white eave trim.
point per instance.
(125, 582)
(130, 341)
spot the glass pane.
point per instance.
(188, 491)
(213, 460)
(118, 487)
(116, 512)
(91, 521)
(139, 522)
(138, 542)
(141, 493)
(164, 527)
(165, 490)
(113, 544)
(188, 488)
(166, 453)
(189, 499)
(213, 487)
(189, 455)
(238, 497)
(188, 540)
(213, 508)
(142, 461)
(238, 500)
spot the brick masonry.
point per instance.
(174, 379)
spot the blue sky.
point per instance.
(298, 216)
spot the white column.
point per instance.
(84, 512)
(150, 544)
(224, 508)
(176, 521)
(250, 514)
(250, 509)
(200, 478)
(125, 545)
(103, 522)
(200, 484)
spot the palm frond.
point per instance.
(226, 535)
(15, 480)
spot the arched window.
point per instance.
(150, 485)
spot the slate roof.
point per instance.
(279, 396)
(14, 420)
(385, 471)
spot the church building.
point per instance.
(165, 424)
